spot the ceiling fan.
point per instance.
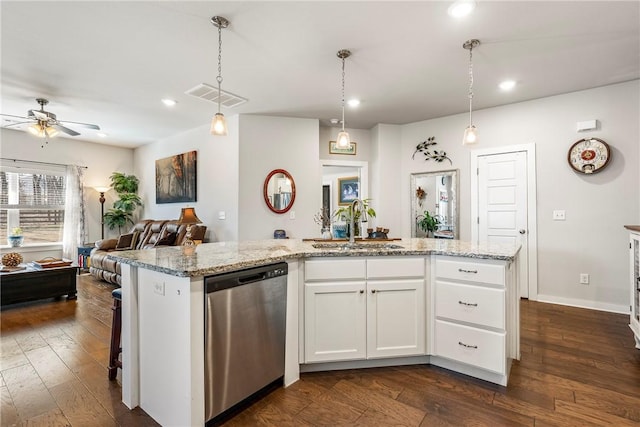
(45, 124)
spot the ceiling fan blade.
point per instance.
(17, 117)
(65, 130)
(84, 125)
(40, 115)
(15, 124)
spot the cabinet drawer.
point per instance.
(477, 347)
(469, 303)
(385, 267)
(475, 271)
(331, 269)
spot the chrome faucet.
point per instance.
(362, 218)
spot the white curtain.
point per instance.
(74, 232)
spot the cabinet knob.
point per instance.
(362, 291)
(522, 231)
(373, 291)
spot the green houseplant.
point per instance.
(428, 223)
(122, 212)
(344, 213)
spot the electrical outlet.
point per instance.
(584, 278)
(158, 288)
(292, 214)
(558, 216)
(222, 214)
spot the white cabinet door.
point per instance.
(395, 318)
(334, 321)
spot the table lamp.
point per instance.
(188, 216)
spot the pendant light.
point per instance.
(470, 133)
(343, 140)
(218, 123)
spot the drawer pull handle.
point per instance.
(468, 304)
(467, 345)
(462, 270)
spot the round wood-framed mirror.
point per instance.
(279, 191)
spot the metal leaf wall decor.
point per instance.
(426, 148)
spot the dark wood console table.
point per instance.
(33, 284)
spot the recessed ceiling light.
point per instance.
(353, 102)
(169, 102)
(507, 84)
(461, 8)
(102, 134)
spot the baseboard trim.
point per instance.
(580, 303)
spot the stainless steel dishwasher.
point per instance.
(244, 334)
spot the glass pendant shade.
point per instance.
(42, 132)
(343, 140)
(470, 135)
(219, 125)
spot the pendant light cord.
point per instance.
(470, 85)
(219, 78)
(343, 94)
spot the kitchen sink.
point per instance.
(345, 246)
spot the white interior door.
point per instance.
(502, 205)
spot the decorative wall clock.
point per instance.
(589, 155)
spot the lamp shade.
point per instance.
(101, 189)
(470, 135)
(188, 216)
(218, 125)
(343, 140)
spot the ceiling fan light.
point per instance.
(219, 125)
(470, 135)
(36, 130)
(343, 140)
(51, 131)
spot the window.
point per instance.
(32, 197)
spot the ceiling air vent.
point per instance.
(210, 93)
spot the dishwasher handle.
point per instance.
(243, 280)
(244, 277)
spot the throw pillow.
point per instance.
(127, 242)
(168, 240)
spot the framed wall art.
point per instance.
(176, 178)
(333, 149)
(349, 189)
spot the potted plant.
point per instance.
(428, 223)
(16, 238)
(122, 212)
(344, 213)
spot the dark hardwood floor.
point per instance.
(579, 368)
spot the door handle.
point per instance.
(522, 231)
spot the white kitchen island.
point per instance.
(445, 302)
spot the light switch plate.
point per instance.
(222, 215)
(558, 215)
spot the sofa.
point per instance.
(145, 234)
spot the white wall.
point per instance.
(101, 161)
(387, 180)
(217, 178)
(592, 239)
(268, 143)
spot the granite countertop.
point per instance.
(220, 257)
